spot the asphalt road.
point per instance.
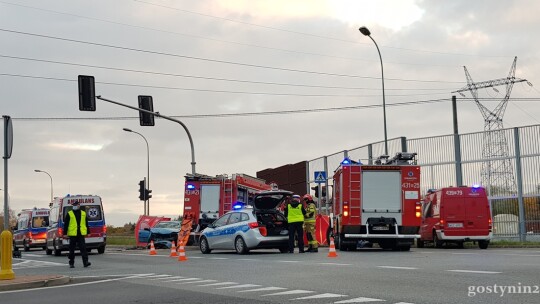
(369, 275)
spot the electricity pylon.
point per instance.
(497, 171)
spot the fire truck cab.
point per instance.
(206, 198)
(456, 215)
(378, 203)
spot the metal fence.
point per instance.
(456, 159)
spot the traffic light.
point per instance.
(87, 93)
(142, 190)
(147, 194)
(316, 188)
(146, 103)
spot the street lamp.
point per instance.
(51, 181)
(146, 203)
(365, 31)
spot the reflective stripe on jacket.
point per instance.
(72, 229)
(295, 214)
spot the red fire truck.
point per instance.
(208, 197)
(377, 203)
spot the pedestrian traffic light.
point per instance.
(146, 103)
(87, 93)
(147, 194)
(142, 189)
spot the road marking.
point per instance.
(160, 277)
(134, 276)
(33, 255)
(290, 292)
(404, 303)
(522, 255)
(197, 282)
(263, 289)
(465, 253)
(248, 259)
(218, 284)
(240, 286)
(287, 261)
(474, 271)
(334, 264)
(359, 300)
(169, 279)
(186, 279)
(398, 267)
(218, 258)
(322, 296)
(35, 264)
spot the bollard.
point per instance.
(6, 243)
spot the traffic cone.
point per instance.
(152, 248)
(182, 254)
(173, 251)
(332, 253)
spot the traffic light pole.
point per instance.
(164, 117)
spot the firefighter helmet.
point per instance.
(308, 197)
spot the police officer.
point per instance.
(295, 213)
(309, 223)
(76, 228)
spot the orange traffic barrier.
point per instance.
(182, 254)
(173, 250)
(332, 253)
(152, 248)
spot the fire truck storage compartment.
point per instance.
(275, 222)
(381, 197)
(209, 203)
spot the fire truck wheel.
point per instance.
(419, 243)
(483, 244)
(461, 244)
(436, 242)
(203, 246)
(240, 245)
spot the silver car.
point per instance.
(250, 227)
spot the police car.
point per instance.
(250, 227)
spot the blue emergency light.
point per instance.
(346, 161)
(238, 205)
(190, 186)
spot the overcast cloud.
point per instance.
(278, 55)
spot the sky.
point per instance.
(259, 84)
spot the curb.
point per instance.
(29, 282)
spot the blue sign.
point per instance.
(320, 177)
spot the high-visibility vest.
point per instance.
(294, 214)
(312, 211)
(72, 229)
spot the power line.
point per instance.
(303, 33)
(216, 60)
(206, 78)
(225, 115)
(211, 91)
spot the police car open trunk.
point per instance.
(265, 206)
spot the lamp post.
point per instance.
(365, 31)
(51, 181)
(146, 202)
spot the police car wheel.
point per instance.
(203, 246)
(240, 245)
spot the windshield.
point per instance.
(40, 221)
(168, 225)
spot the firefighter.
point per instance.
(309, 223)
(295, 212)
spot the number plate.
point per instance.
(380, 228)
(455, 225)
